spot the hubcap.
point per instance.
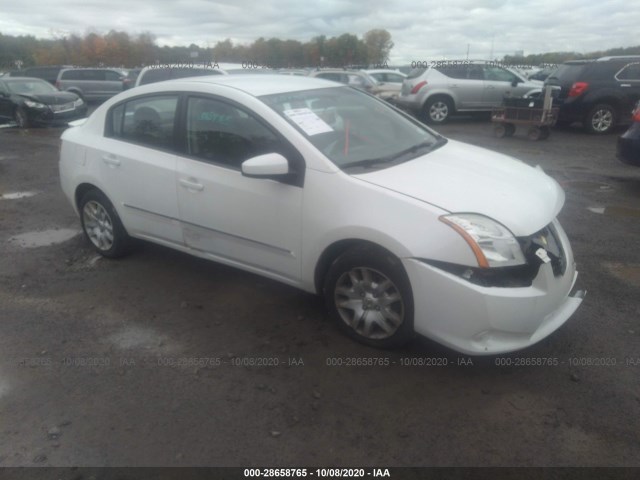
(438, 111)
(602, 120)
(98, 225)
(369, 302)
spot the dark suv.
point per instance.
(599, 93)
(47, 72)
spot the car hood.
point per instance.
(462, 178)
(58, 98)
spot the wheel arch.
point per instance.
(334, 250)
(81, 191)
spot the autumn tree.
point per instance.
(379, 45)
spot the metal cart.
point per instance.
(537, 113)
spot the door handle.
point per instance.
(625, 84)
(191, 184)
(453, 85)
(111, 160)
(490, 87)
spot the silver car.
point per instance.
(92, 83)
(437, 90)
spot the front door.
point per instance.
(249, 222)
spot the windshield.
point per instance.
(31, 87)
(353, 129)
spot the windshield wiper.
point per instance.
(370, 162)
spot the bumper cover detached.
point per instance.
(479, 320)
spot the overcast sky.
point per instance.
(421, 29)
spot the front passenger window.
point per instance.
(221, 133)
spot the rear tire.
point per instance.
(368, 294)
(601, 119)
(437, 110)
(102, 226)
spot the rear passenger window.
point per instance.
(221, 133)
(112, 76)
(147, 121)
(630, 72)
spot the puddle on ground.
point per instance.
(17, 195)
(587, 185)
(137, 337)
(8, 125)
(44, 238)
(629, 273)
(616, 211)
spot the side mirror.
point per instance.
(270, 165)
(515, 82)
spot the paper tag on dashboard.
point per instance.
(542, 254)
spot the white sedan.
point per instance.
(331, 190)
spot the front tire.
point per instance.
(368, 294)
(102, 226)
(437, 110)
(600, 119)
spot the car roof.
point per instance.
(384, 70)
(16, 79)
(257, 85)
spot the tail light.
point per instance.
(417, 88)
(577, 89)
(636, 114)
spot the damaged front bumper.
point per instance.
(477, 319)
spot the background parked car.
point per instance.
(91, 84)
(387, 76)
(48, 73)
(599, 93)
(130, 80)
(29, 101)
(155, 73)
(542, 74)
(629, 142)
(435, 93)
(359, 79)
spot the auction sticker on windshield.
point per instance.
(308, 121)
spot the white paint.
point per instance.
(44, 238)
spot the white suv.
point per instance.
(439, 89)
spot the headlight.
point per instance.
(32, 104)
(78, 102)
(492, 244)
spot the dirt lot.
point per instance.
(145, 361)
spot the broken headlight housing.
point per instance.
(492, 243)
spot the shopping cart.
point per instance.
(537, 113)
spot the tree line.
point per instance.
(120, 49)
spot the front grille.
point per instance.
(62, 108)
(549, 240)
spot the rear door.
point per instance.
(136, 162)
(498, 83)
(466, 84)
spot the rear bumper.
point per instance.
(477, 320)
